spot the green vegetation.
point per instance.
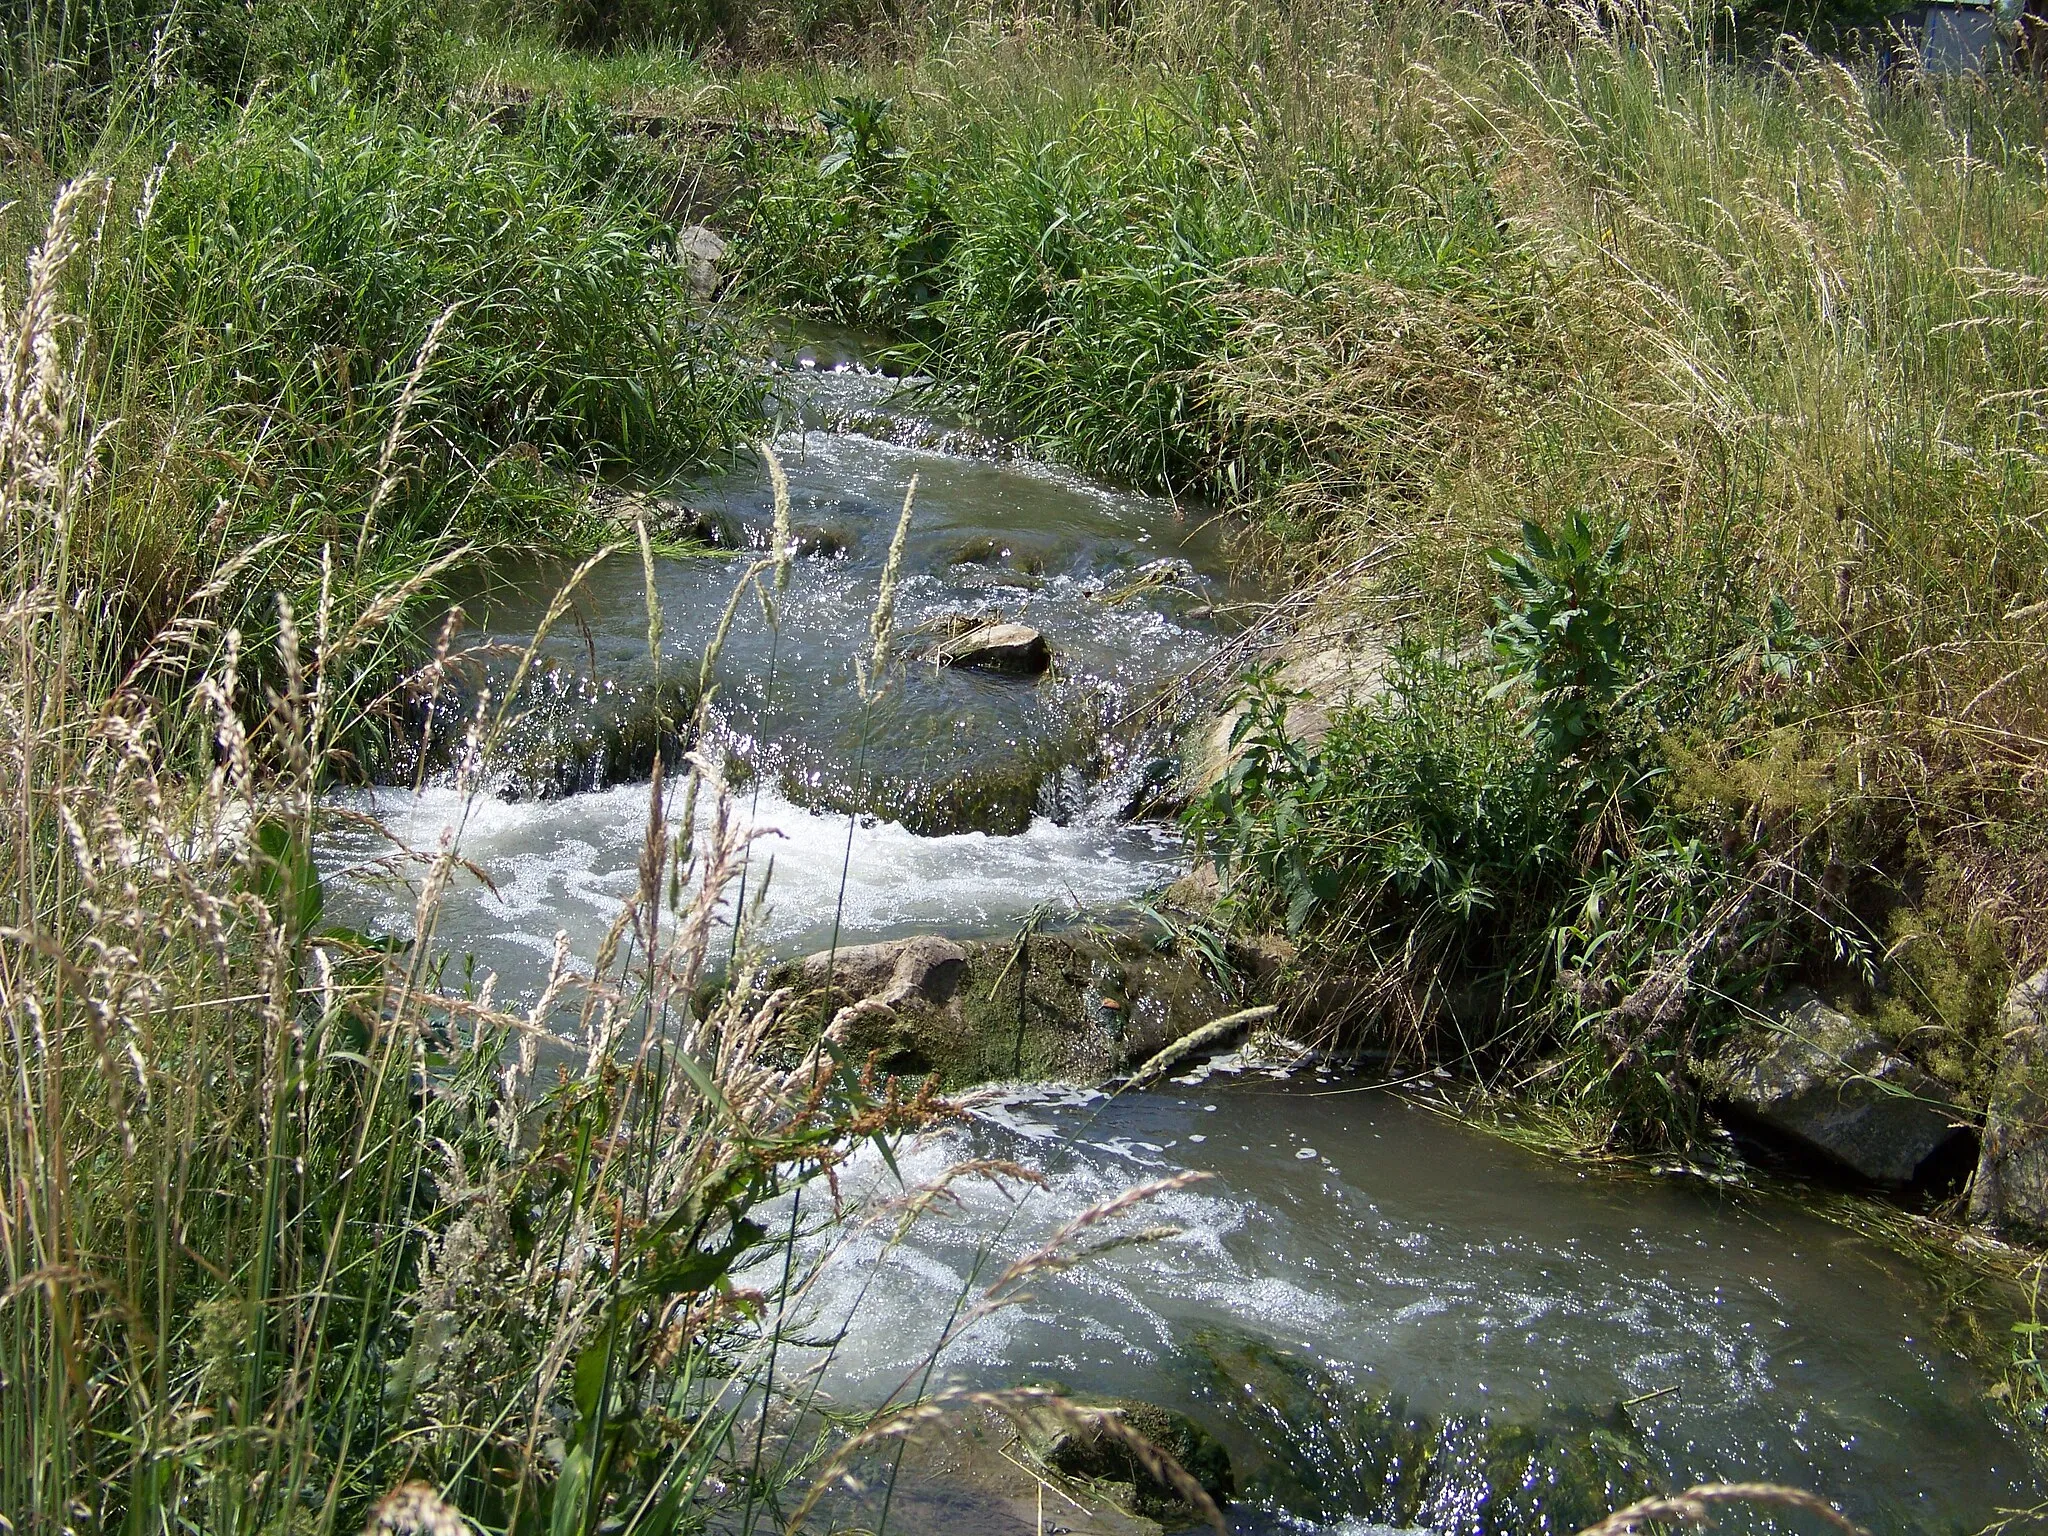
(1406, 283)
(296, 286)
(295, 1235)
(1688, 408)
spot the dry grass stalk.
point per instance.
(1694, 1508)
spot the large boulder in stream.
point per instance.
(1827, 1084)
(2010, 1191)
(1015, 649)
(998, 794)
(1080, 1003)
(926, 968)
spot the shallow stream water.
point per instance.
(1386, 1317)
(1360, 1279)
(981, 795)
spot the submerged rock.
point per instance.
(1827, 1083)
(1000, 798)
(565, 733)
(2010, 1191)
(820, 543)
(1309, 1443)
(1012, 648)
(1080, 1004)
(1079, 1450)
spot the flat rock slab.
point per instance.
(1827, 1082)
(926, 968)
(1077, 1004)
(2010, 1191)
(702, 252)
(1013, 648)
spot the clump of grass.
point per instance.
(276, 305)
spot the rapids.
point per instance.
(1356, 1266)
(1017, 785)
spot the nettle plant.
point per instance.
(1560, 642)
(863, 138)
(1464, 788)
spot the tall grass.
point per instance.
(294, 1236)
(274, 288)
(1400, 279)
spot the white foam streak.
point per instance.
(569, 863)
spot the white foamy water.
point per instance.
(545, 865)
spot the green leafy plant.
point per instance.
(1560, 640)
(862, 132)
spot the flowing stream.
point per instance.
(980, 796)
(1387, 1318)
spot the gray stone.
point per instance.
(1827, 1082)
(1331, 668)
(925, 968)
(2010, 1191)
(701, 251)
(1013, 648)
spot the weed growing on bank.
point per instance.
(1494, 859)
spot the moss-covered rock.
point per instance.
(1522, 1479)
(1826, 1083)
(2010, 1190)
(566, 733)
(1077, 1450)
(1309, 1443)
(997, 797)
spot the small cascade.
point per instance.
(955, 797)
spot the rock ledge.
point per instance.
(1827, 1083)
